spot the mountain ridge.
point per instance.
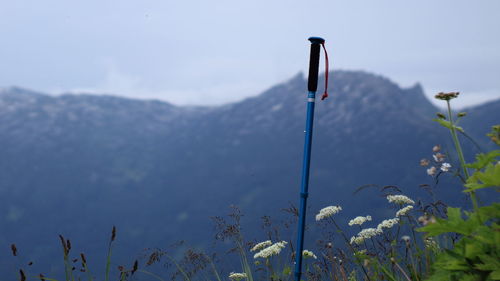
(157, 170)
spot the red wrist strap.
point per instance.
(325, 94)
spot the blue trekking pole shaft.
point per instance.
(312, 86)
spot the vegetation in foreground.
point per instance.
(422, 241)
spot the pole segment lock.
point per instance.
(312, 85)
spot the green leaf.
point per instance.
(454, 223)
(489, 178)
(387, 273)
(484, 159)
(495, 275)
(287, 271)
(448, 125)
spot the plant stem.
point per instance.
(400, 269)
(460, 154)
(351, 248)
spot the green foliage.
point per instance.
(476, 256)
(487, 172)
(495, 134)
(448, 124)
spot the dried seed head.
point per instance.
(75, 260)
(113, 234)
(447, 96)
(436, 148)
(121, 268)
(134, 268)
(22, 275)
(42, 277)
(65, 247)
(30, 263)
(14, 249)
(441, 116)
(84, 261)
(68, 245)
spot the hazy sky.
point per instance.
(212, 52)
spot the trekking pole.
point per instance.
(312, 86)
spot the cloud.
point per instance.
(119, 83)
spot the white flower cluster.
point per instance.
(404, 211)
(357, 240)
(261, 245)
(387, 223)
(359, 220)
(406, 238)
(445, 167)
(272, 250)
(237, 276)
(430, 242)
(328, 212)
(366, 233)
(308, 254)
(400, 199)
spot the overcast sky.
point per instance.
(213, 52)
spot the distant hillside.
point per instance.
(78, 164)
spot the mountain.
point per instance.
(78, 164)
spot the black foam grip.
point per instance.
(312, 84)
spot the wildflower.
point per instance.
(425, 220)
(237, 276)
(404, 210)
(359, 220)
(439, 157)
(446, 96)
(328, 212)
(308, 254)
(272, 250)
(430, 243)
(431, 171)
(436, 148)
(387, 223)
(445, 167)
(424, 162)
(261, 245)
(399, 199)
(405, 238)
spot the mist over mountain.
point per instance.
(79, 164)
